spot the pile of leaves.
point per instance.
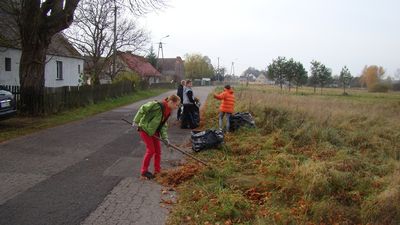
(175, 176)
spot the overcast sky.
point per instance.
(251, 33)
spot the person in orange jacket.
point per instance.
(227, 105)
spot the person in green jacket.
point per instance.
(151, 122)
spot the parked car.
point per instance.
(7, 104)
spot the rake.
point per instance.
(175, 147)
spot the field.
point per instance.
(313, 159)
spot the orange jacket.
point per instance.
(228, 100)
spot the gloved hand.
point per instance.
(135, 125)
(166, 142)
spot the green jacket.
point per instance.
(149, 117)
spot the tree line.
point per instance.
(291, 73)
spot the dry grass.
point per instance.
(313, 159)
(383, 208)
(323, 108)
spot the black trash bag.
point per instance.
(196, 117)
(190, 117)
(207, 139)
(241, 119)
(196, 113)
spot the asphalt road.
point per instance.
(84, 172)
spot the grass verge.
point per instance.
(311, 160)
(21, 125)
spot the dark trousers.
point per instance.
(179, 113)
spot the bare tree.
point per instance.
(93, 34)
(140, 7)
(37, 22)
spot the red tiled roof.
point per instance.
(170, 64)
(139, 64)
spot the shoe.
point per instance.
(147, 175)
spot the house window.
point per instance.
(8, 64)
(79, 69)
(59, 70)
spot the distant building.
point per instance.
(126, 61)
(231, 78)
(205, 81)
(172, 69)
(247, 78)
(261, 79)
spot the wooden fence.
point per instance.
(68, 97)
(62, 98)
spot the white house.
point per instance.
(261, 79)
(64, 63)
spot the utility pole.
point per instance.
(218, 70)
(160, 48)
(233, 69)
(115, 39)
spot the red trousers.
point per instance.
(153, 148)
